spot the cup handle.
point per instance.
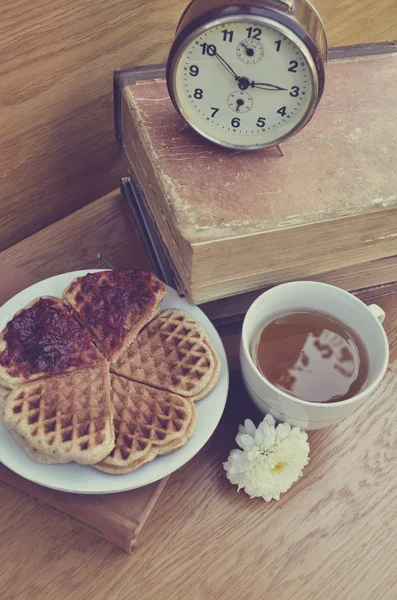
(377, 312)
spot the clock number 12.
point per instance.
(254, 32)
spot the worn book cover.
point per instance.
(235, 221)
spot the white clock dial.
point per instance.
(264, 63)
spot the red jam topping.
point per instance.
(112, 297)
(45, 338)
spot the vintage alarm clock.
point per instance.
(247, 74)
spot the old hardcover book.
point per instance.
(118, 518)
(352, 278)
(232, 221)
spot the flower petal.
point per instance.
(249, 427)
(270, 420)
(244, 441)
(283, 430)
(260, 436)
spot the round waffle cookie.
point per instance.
(147, 422)
(172, 353)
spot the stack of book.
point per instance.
(230, 222)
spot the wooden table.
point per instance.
(333, 536)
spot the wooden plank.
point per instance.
(56, 124)
(57, 144)
(74, 242)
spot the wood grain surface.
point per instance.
(333, 536)
(74, 242)
(57, 148)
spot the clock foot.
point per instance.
(278, 146)
(184, 128)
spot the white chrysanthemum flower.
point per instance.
(271, 458)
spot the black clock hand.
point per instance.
(249, 51)
(268, 86)
(227, 66)
(240, 102)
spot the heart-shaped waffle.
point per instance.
(63, 418)
(147, 423)
(114, 305)
(172, 353)
(41, 340)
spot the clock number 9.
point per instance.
(236, 122)
(194, 70)
(209, 49)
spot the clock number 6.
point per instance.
(236, 122)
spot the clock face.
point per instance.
(244, 83)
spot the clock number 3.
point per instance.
(294, 91)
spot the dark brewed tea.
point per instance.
(311, 356)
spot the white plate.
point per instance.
(83, 479)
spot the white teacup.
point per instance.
(335, 302)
